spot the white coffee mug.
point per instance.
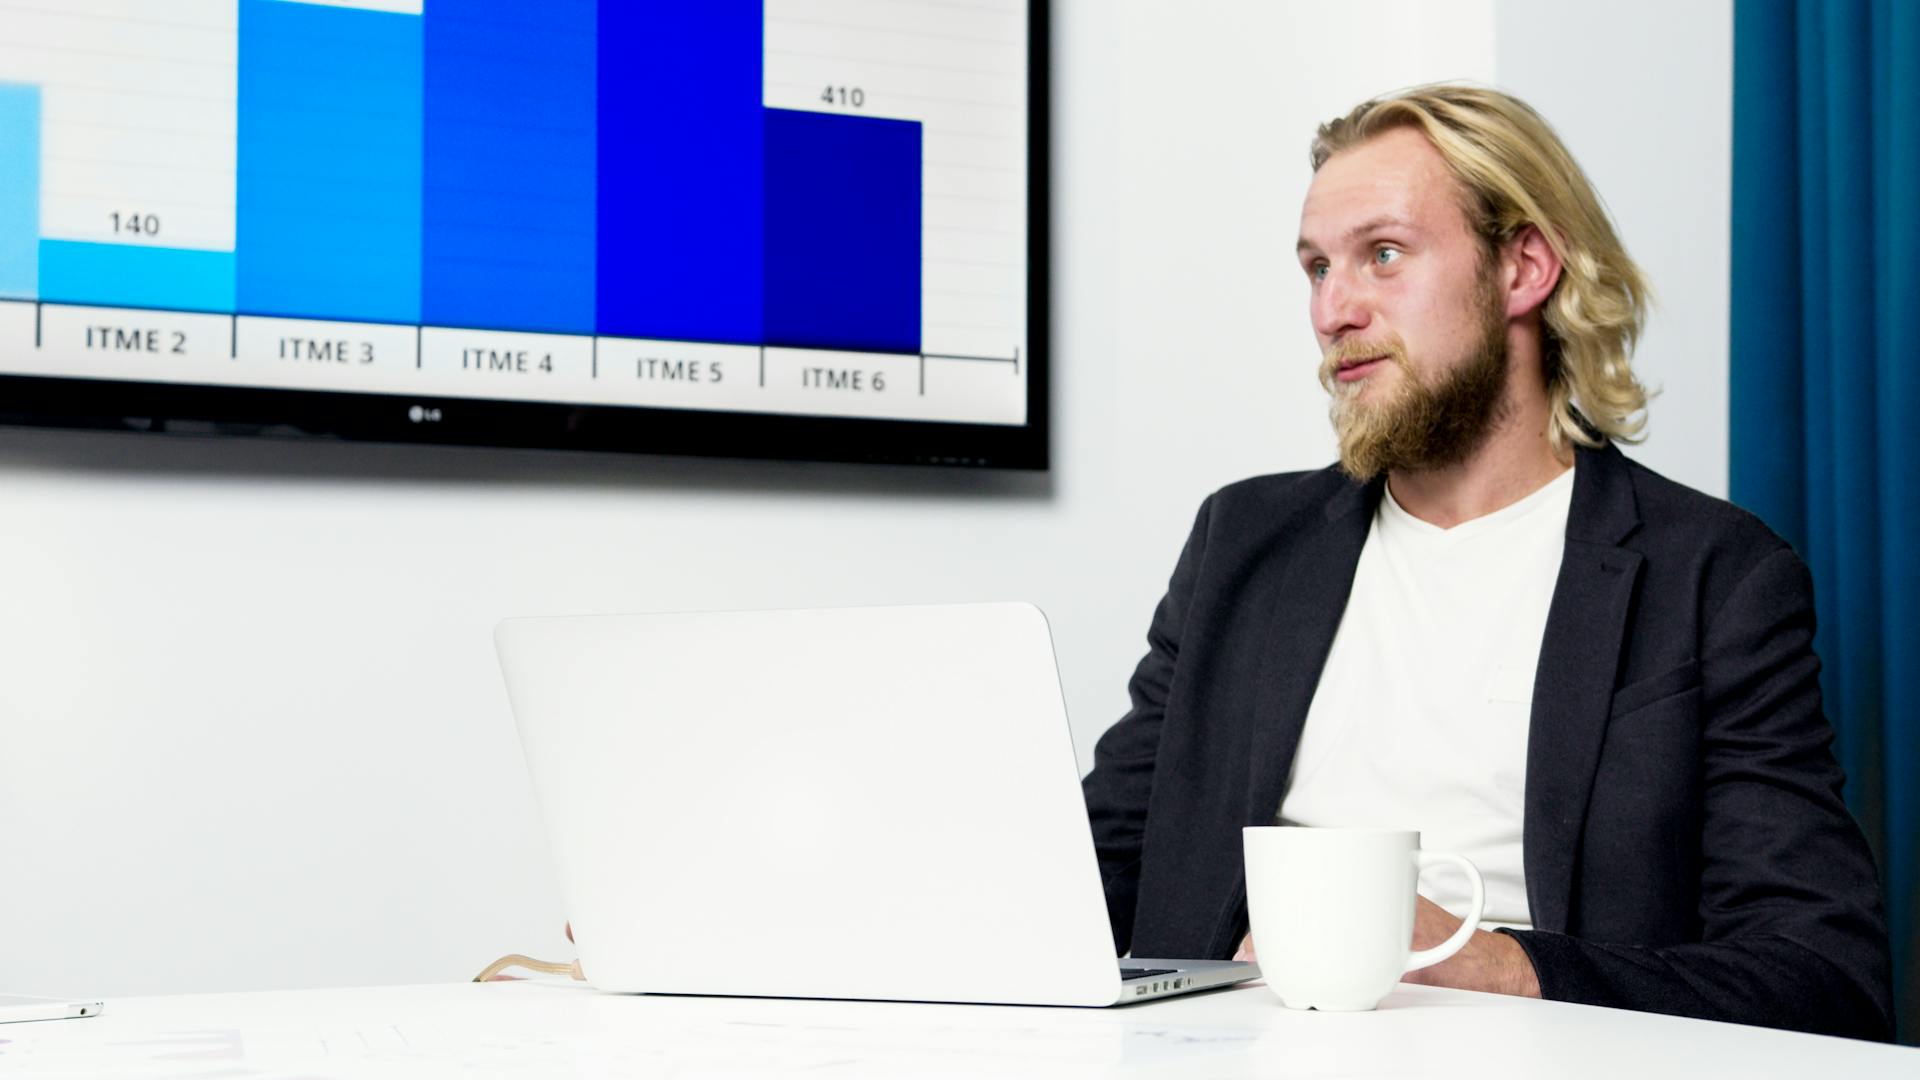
(1332, 912)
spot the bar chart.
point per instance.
(790, 197)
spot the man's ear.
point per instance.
(1532, 269)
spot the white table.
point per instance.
(557, 1029)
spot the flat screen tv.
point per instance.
(809, 229)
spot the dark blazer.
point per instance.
(1686, 848)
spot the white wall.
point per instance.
(1642, 90)
(251, 731)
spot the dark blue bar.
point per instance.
(509, 233)
(680, 171)
(328, 220)
(843, 232)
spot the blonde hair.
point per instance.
(1516, 172)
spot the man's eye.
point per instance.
(1318, 271)
(1384, 256)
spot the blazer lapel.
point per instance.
(1573, 686)
(1307, 604)
(1307, 607)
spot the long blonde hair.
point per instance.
(1516, 172)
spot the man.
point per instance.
(1488, 624)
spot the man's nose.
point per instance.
(1340, 306)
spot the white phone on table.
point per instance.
(14, 1009)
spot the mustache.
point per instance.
(1349, 352)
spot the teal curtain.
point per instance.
(1825, 369)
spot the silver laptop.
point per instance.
(876, 803)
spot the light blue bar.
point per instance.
(19, 191)
(123, 275)
(327, 216)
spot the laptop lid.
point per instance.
(876, 803)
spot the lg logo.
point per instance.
(420, 415)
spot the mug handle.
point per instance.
(1430, 957)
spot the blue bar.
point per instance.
(19, 191)
(509, 238)
(680, 248)
(843, 232)
(328, 221)
(125, 275)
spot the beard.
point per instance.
(1418, 425)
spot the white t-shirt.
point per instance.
(1420, 719)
